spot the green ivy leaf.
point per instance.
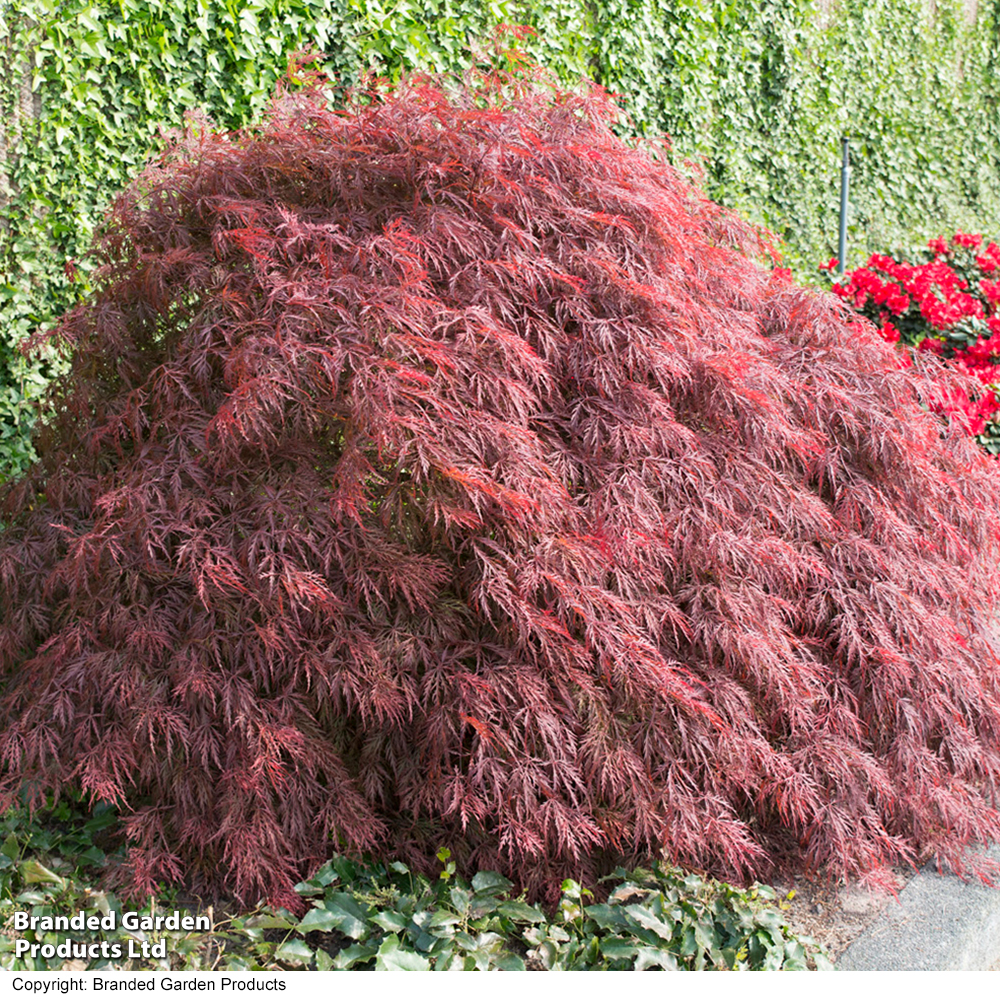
(318, 919)
(491, 882)
(347, 916)
(294, 952)
(394, 957)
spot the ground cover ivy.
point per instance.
(382, 916)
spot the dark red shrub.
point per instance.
(443, 472)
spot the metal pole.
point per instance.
(845, 180)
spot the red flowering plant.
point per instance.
(949, 305)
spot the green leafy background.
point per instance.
(755, 93)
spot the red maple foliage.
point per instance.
(446, 471)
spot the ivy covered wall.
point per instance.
(756, 92)
(764, 90)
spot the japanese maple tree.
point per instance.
(445, 470)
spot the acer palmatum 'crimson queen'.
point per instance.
(444, 472)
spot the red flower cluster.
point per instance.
(934, 307)
(864, 283)
(970, 240)
(940, 294)
(974, 413)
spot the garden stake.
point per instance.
(845, 172)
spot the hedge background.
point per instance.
(758, 92)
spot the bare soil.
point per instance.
(835, 915)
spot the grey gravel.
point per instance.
(938, 922)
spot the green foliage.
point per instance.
(761, 92)
(660, 918)
(46, 865)
(383, 916)
(756, 92)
